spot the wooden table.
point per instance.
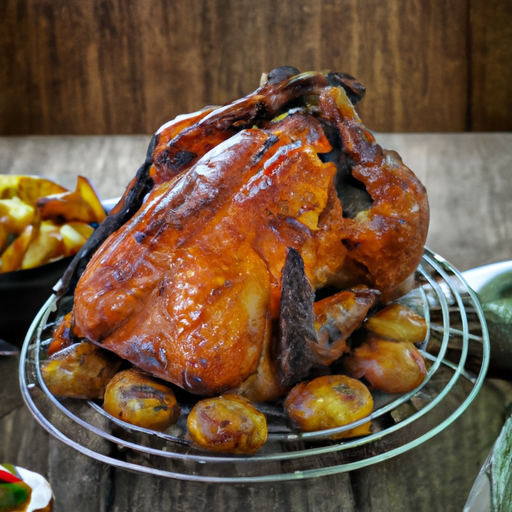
(468, 179)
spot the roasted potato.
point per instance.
(139, 399)
(44, 246)
(227, 424)
(12, 257)
(328, 402)
(74, 235)
(388, 365)
(15, 214)
(398, 322)
(27, 188)
(80, 205)
(82, 370)
(40, 221)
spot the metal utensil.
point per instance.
(399, 422)
(493, 285)
(492, 490)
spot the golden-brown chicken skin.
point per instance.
(189, 288)
(198, 315)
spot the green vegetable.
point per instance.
(12, 495)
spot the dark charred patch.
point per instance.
(350, 245)
(295, 358)
(264, 148)
(181, 159)
(175, 160)
(351, 192)
(323, 293)
(139, 237)
(147, 391)
(282, 73)
(355, 90)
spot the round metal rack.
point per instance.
(456, 351)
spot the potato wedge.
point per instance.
(82, 204)
(27, 188)
(15, 215)
(4, 237)
(85, 229)
(13, 256)
(44, 247)
(72, 240)
(59, 220)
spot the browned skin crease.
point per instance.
(385, 244)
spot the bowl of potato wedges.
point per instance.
(42, 226)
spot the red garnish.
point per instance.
(7, 477)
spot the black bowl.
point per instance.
(22, 294)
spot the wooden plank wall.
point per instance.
(127, 66)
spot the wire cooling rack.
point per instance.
(456, 351)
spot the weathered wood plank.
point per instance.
(490, 65)
(124, 67)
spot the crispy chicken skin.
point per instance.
(189, 288)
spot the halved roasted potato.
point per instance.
(328, 402)
(228, 424)
(388, 365)
(139, 399)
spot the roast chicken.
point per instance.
(208, 272)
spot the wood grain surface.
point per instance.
(490, 64)
(126, 67)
